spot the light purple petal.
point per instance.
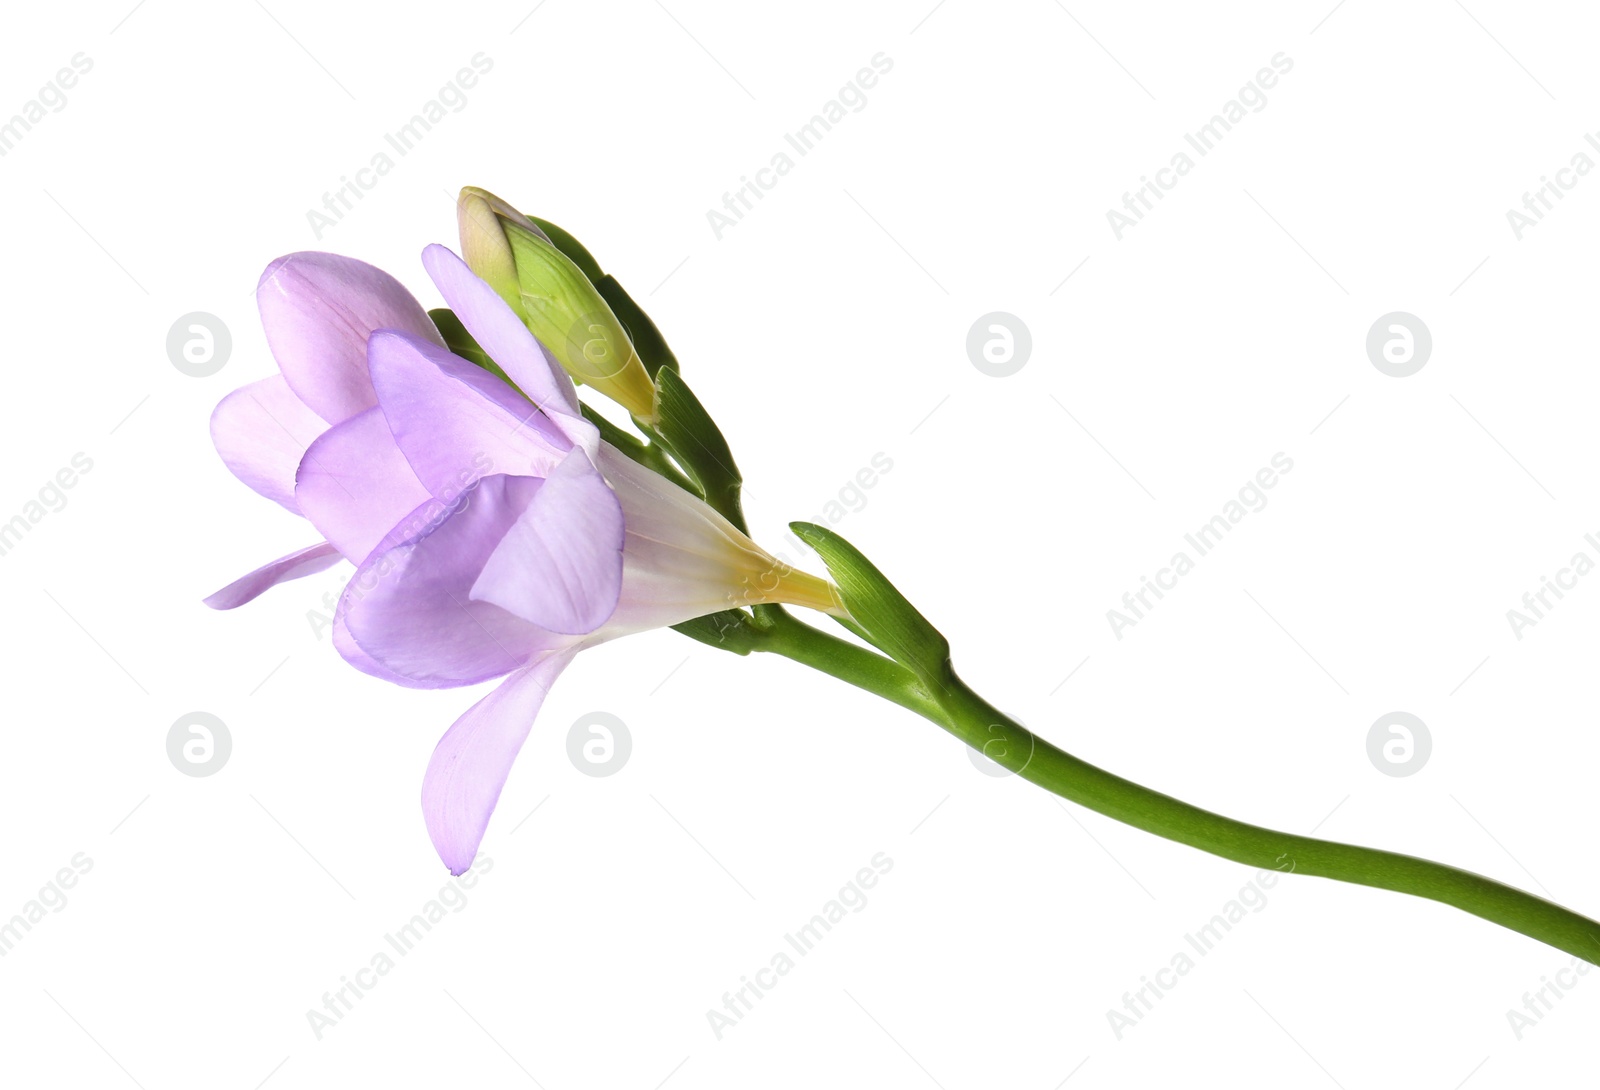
(355, 485)
(317, 310)
(560, 563)
(352, 652)
(409, 606)
(501, 333)
(262, 431)
(456, 422)
(296, 565)
(470, 765)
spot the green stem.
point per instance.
(783, 635)
(947, 701)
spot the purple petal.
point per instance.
(498, 330)
(409, 606)
(352, 653)
(455, 422)
(560, 564)
(355, 485)
(470, 765)
(317, 310)
(262, 431)
(307, 561)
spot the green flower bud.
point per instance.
(484, 246)
(555, 300)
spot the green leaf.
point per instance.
(697, 444)
(881, 613)
(646, 454)
(727, 630)
(647, 339)
(459, 341)
(631, 445)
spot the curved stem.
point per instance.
(947, 701)
(782, 634)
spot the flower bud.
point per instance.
(555, 299)
(484, 246)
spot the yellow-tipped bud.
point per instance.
(554, 299)
(484, 246)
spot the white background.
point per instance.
(827, 327)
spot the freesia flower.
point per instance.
(494, 534)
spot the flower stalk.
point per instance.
(948, 701)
